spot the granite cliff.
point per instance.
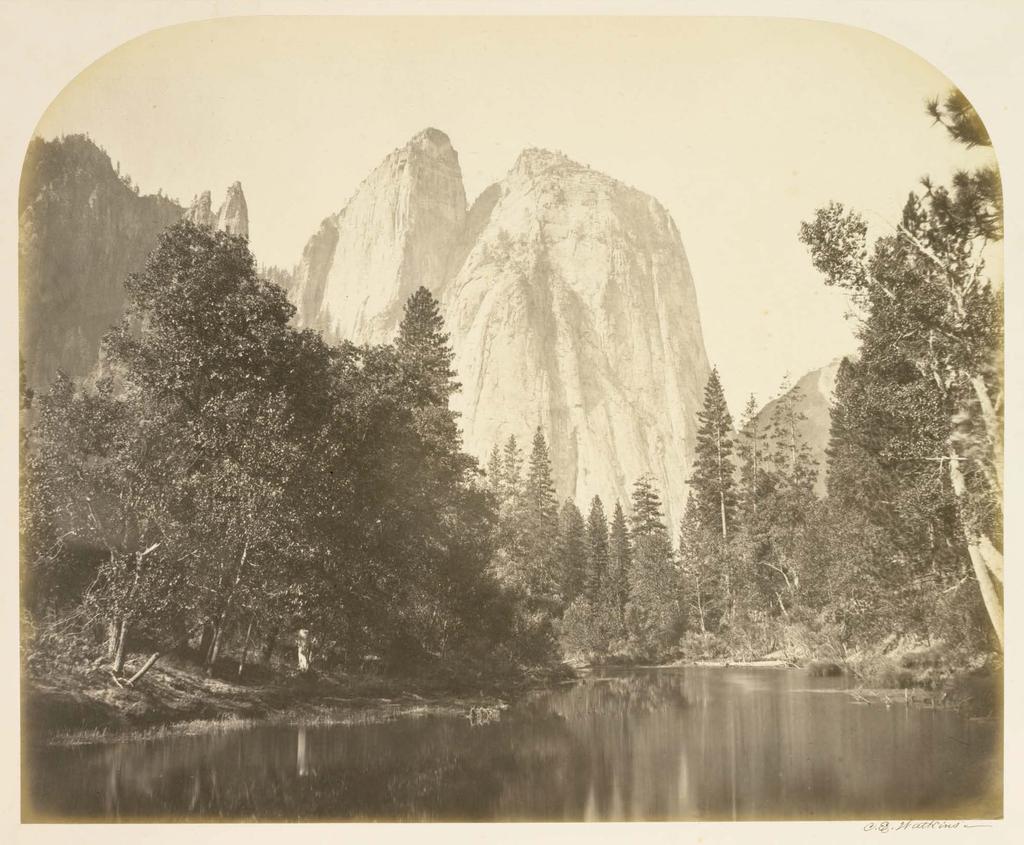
(568, 296)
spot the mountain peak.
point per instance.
(431, 136)
(233, 216)
(535, 160)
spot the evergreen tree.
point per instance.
(620, 563)
(540, 523)
(712, 486)
(511, 471)
(755, 481)
(647, 516)
(597, 551)
(572, 552)
(424, 348)
(507, 478)
(704, 570)
(652, 613)
(792, 464)
(495, 480)
(784, 501)
(928, 302)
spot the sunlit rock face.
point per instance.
(392, 236)
(568, 297)
(575, 309)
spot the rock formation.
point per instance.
(232, 217)
(567, 294)
(83, 229)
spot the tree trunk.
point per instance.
(268, 647)
(305, 650)
(989, 594)
(206, 641)
(145, 668)
(119, 653)
(113, 629)
(992, 425)
(725, 531)
(245, 647)
(986, 559)
(211, 658)
(223, 615)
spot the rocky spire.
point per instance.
(232, 217)
(201, 210)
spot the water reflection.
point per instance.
(302, 762)
(657, 744)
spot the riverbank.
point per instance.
(176, 697)
(971, 684)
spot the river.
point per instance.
(675, 743)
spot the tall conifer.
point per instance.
(712, 485)
(597, 550)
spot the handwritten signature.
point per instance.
(929, 824)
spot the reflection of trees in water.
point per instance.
(646, 745)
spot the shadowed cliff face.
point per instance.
(567, 294)
(83, 229)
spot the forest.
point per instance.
(226, 483)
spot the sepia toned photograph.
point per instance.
(511, 419)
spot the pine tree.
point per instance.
(774, 534)
(620, 563)
(705, 572)
(754, 479)
(540, 522)
(507, 479)
(929, 302)
(425, 350)
(495, 479)
(597, 551)
(571, 552)
(792, 463)
(647, 516)
(652, 613)
(511, 470)
(712, 485)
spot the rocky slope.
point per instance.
(568, 296)
(816, 390)
(83, 229)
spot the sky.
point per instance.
(740, 127)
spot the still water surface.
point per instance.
(688, 743)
